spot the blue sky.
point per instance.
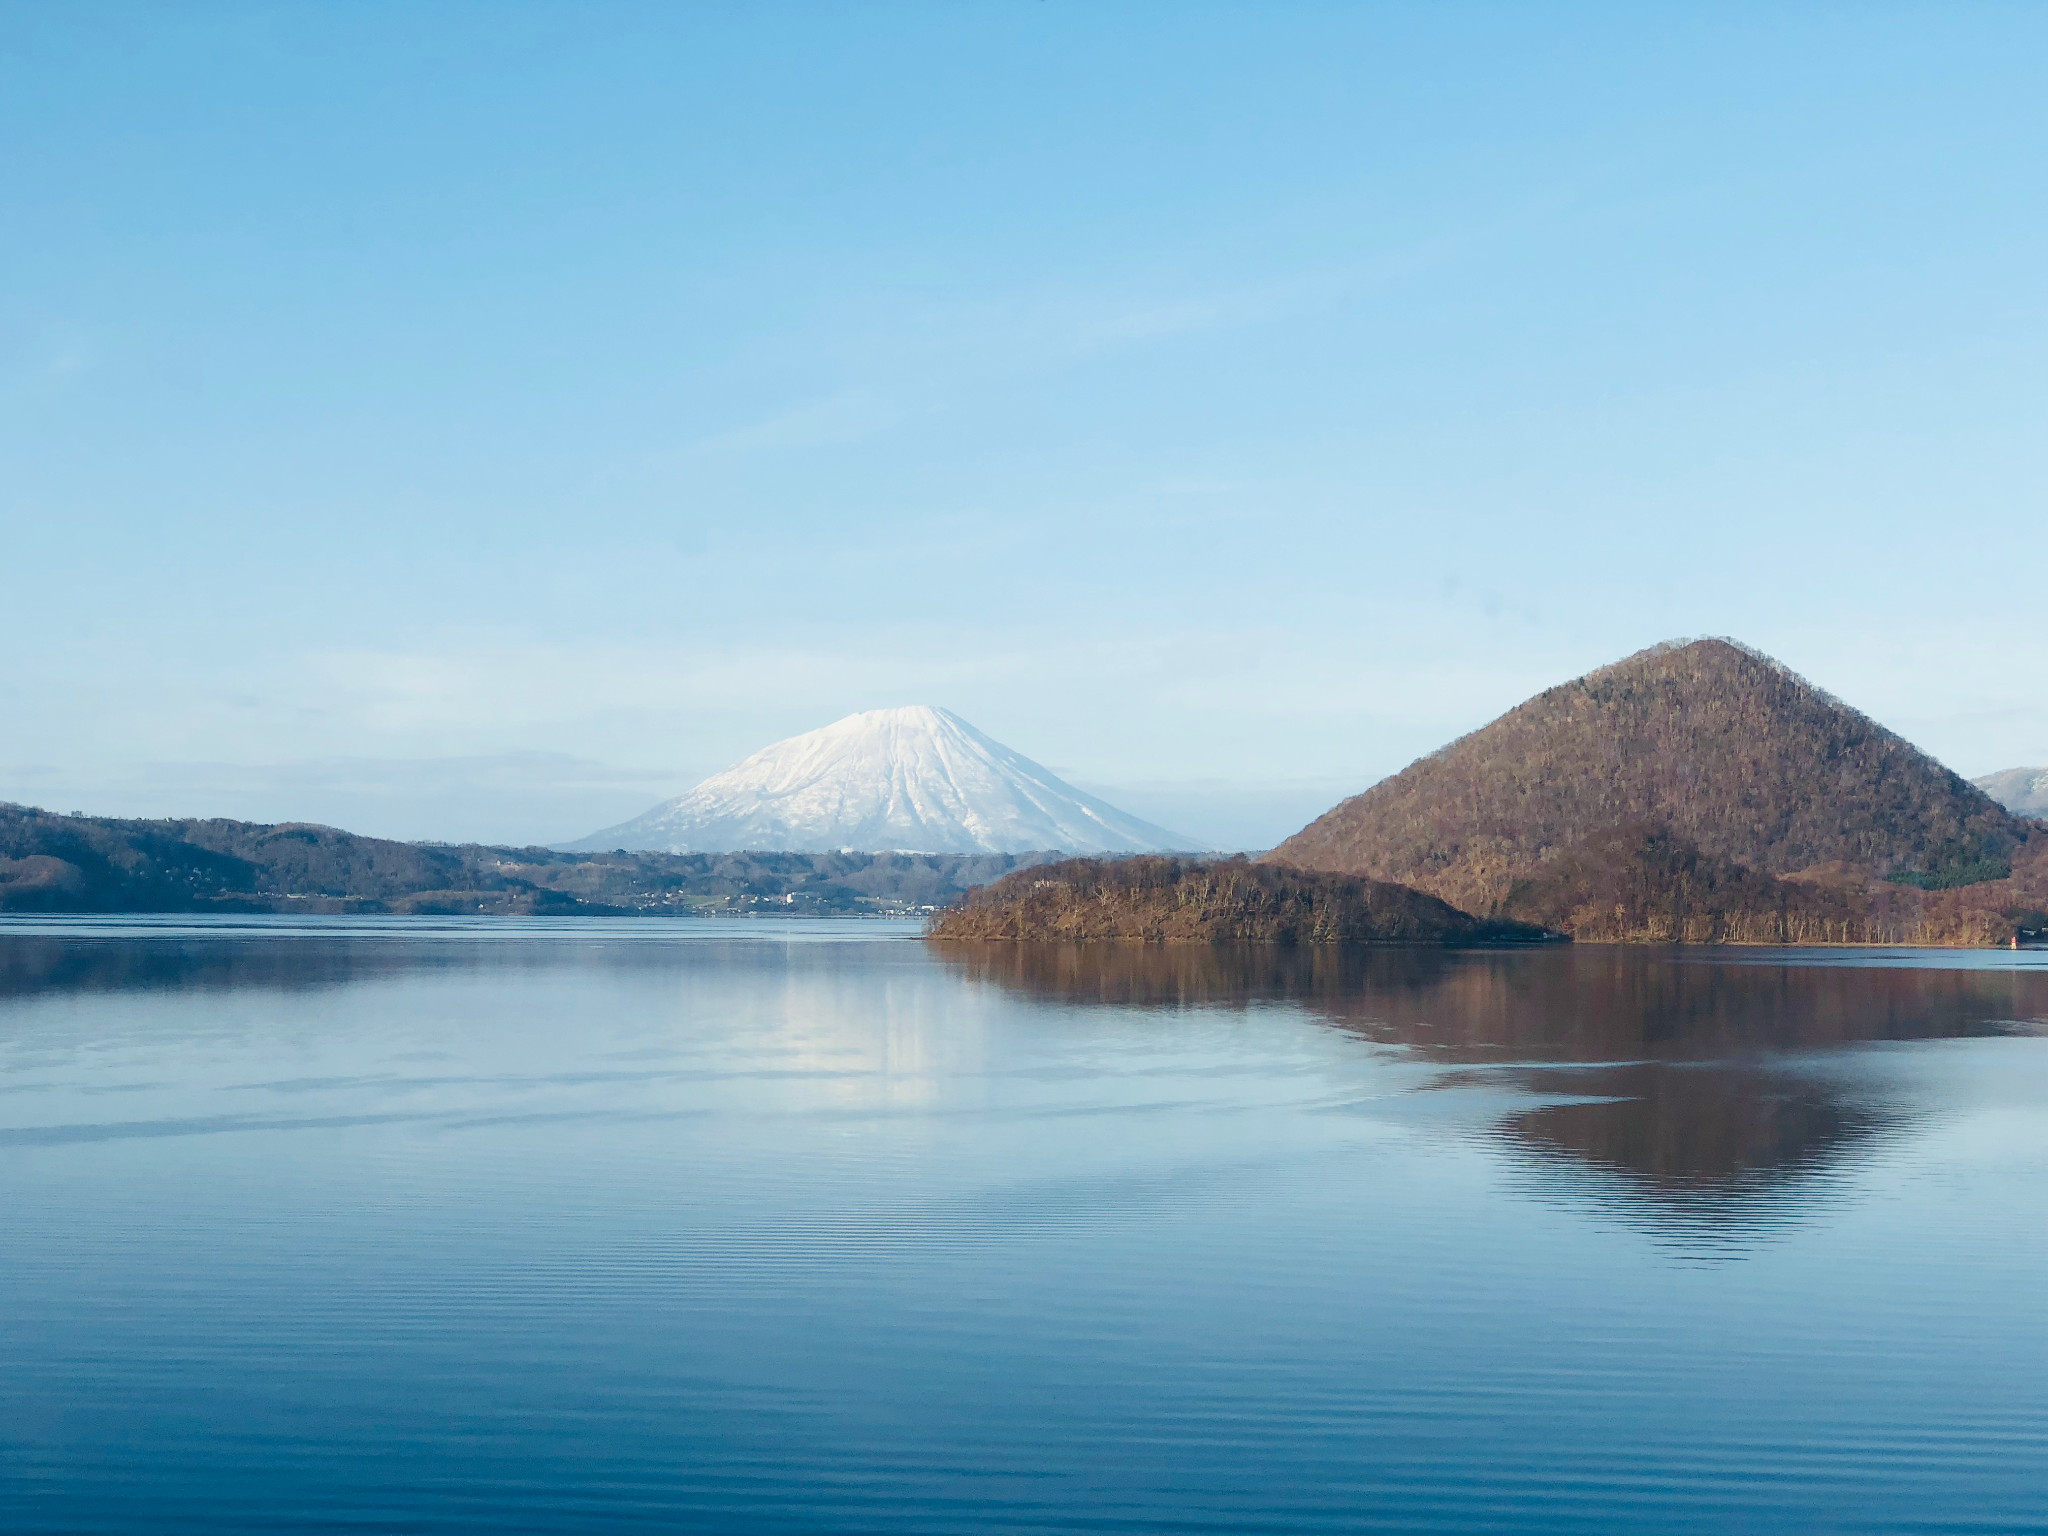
(482, 421)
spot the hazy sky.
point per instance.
(482, 421)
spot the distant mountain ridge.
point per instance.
(914, 779)
(53, 863)
(1727, 750)
(2023, 791)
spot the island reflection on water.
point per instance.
(596, 1225)
(1702, 1093)
(1694, 1092)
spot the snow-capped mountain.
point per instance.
(917, 779)
(2023, 791)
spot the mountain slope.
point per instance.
(2023, 791)
(1730, 751)
(915, 779)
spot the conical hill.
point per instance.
(1720, 745)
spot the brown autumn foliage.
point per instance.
(1648, 885)
(1730, 752)
(1165, 900)
(1696, 793)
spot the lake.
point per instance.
(581, 1226)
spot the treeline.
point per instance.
(53, 863)
(1650, 884)
(1645, 884)
(826, 883)
(1167, 900)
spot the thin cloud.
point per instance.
(851, 417)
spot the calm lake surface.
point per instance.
(725, 1226)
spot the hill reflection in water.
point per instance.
(1696, 1092)
(43, 964)
(43, 957)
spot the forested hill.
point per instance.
(1722, 748)
(1646, 884)
(1167, 900)
(53, 863)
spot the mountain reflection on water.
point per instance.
(1696, 1092)
(629, 1225)
(1690, 1091)
(34, 964)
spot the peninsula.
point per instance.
(1230, 900)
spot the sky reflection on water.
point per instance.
(593, 1226)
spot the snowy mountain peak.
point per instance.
(2023, 791)
(912, 779)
